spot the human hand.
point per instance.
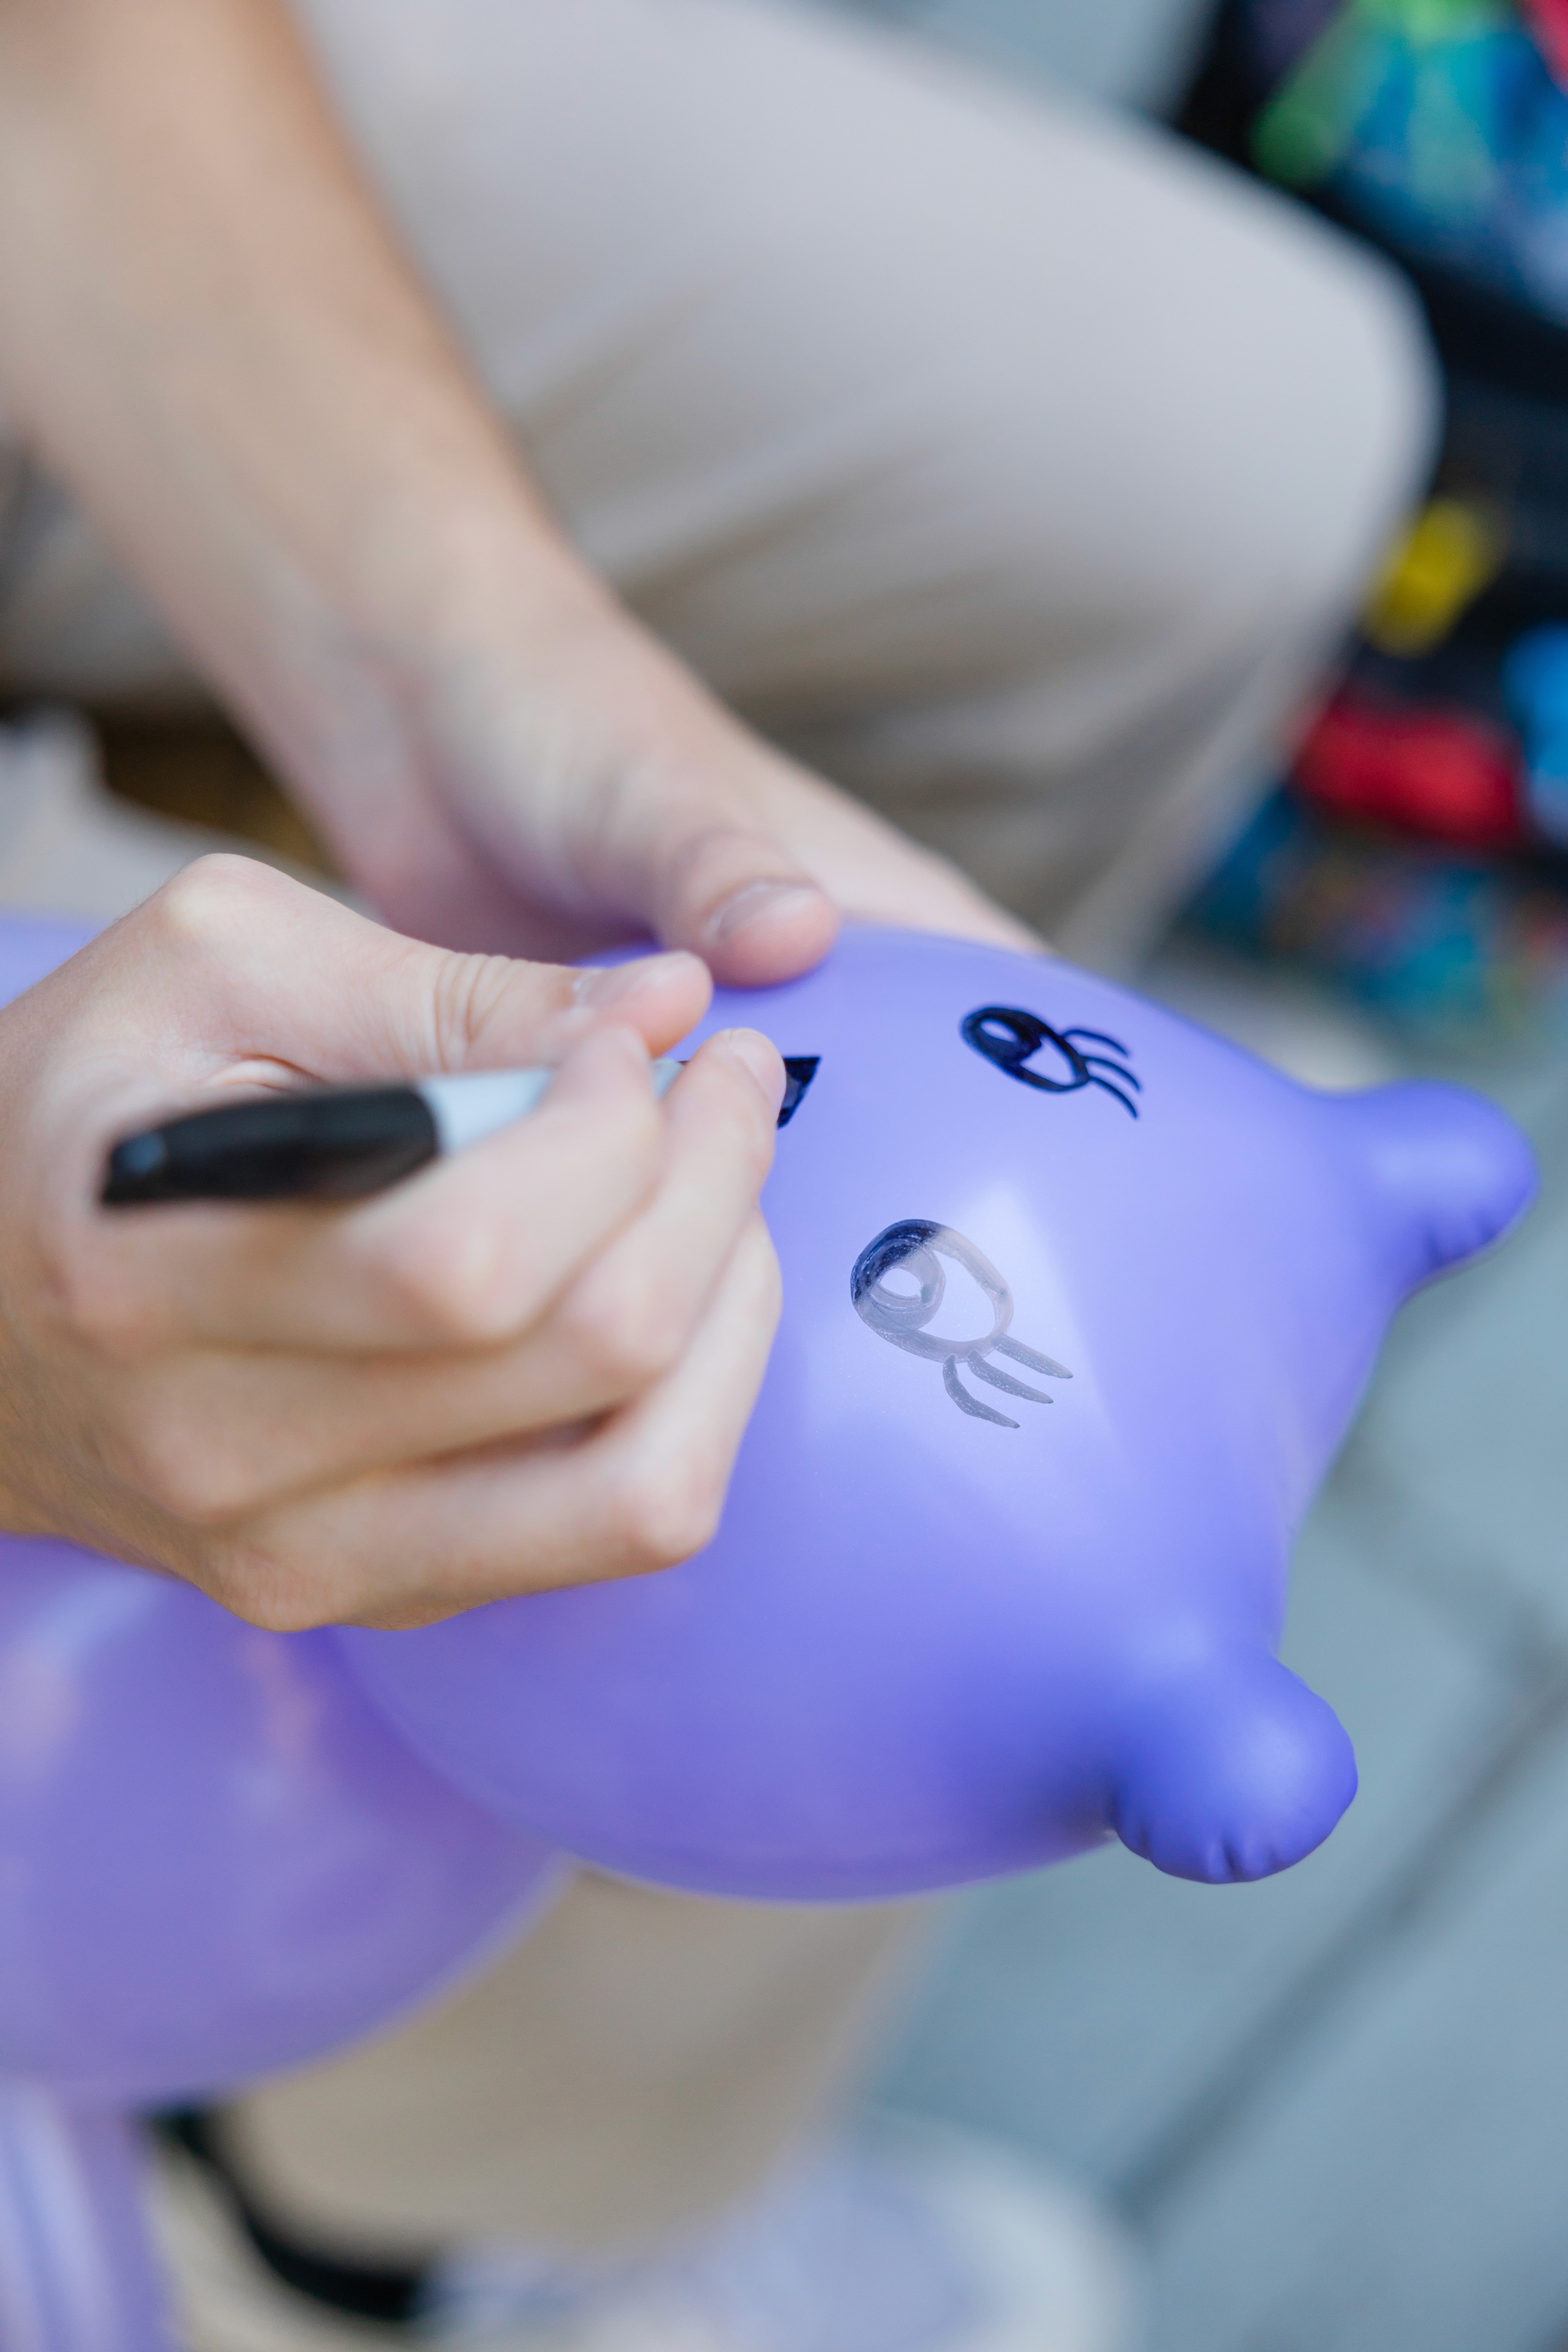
(564, 782)
(529, 1365)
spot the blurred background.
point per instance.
(1334, 2107)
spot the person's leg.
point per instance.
(636, 2064)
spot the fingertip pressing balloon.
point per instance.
(1078, 1301)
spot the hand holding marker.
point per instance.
(341, 1143)
(529, 1366)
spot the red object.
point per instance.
(1437, 772)
(1548, 21)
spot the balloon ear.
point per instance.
(1451, 1168)
(1232, 1772)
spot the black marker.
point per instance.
(339, 1143)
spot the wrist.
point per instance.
(469, 565)
(445, 624)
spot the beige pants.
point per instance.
(1017, 467)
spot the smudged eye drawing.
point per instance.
(915, 1248)
(1010, 1037)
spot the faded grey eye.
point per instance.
(914, 1249)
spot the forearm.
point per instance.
(208, 332)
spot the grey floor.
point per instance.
(1335, 2105)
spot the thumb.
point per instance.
(694, 834)
(274, 968)
(735, 896)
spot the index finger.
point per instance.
(234, 970)
(465, 1254)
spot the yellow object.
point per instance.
(1451, 552)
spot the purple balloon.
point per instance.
(32, 945)
(215, 1859)
(1078, 1301)
(77, 2273)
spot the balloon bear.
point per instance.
(215, 1859)
(1078, 1301)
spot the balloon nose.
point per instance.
(1450, 1166)
(1233, 1770)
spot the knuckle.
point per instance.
(183, 1474)
(268, 1590)
(276, 1616)
(625, 1327)
(469, 988)
(197, 906)
(663, 1512)
(449, 1285)
(97, 1306)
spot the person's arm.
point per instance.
(207, 331)
(527, 1365)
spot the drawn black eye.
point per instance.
(1011, 1038)
(799, 1071)
(1008, 1037)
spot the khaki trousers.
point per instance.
(1015, 466)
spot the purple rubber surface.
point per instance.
(926, 1647)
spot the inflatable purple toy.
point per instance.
(1078, 1301)
(215, 1859)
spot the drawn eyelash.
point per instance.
(916, 1246)
(1009, 1037)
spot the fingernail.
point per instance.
(760, 1058)
(604, 984)
(756, 899)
